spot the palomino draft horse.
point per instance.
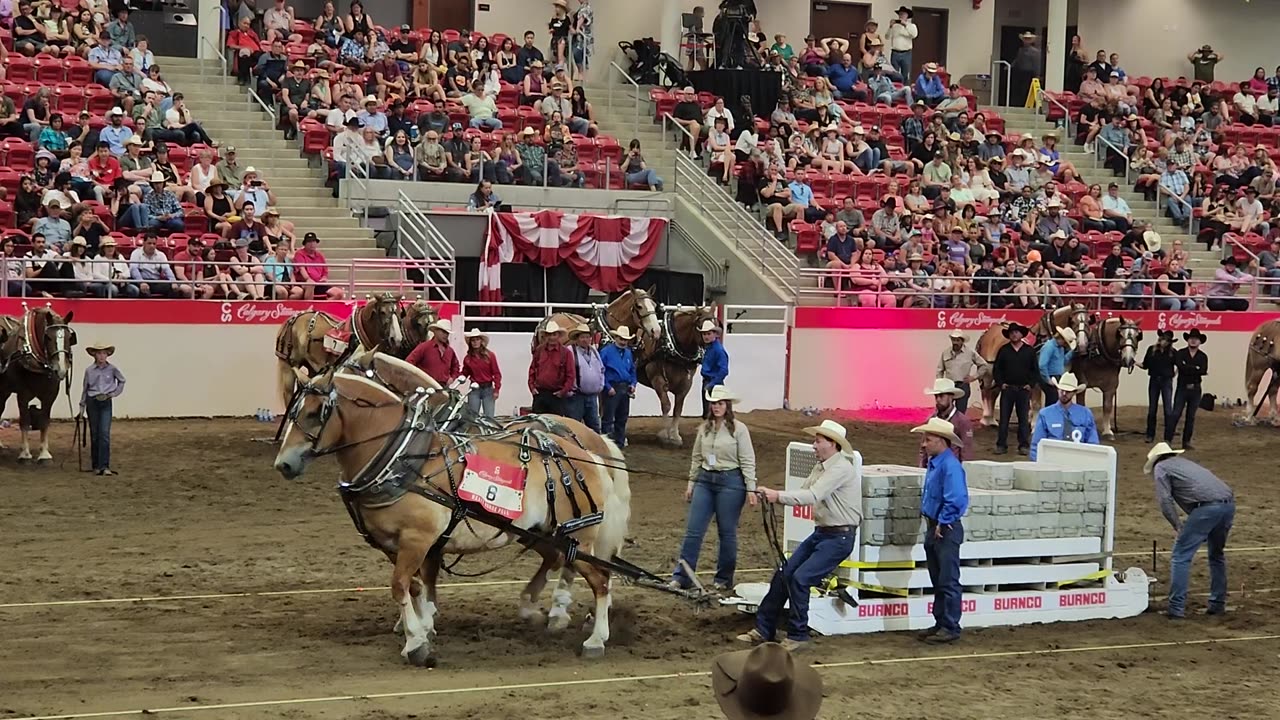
(34, 362)
(667, 364)
(1074, 316)
(302, 341)
(1113, 345)
(1264, 355)
(407, 462)
(634, 308)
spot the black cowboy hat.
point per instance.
(904, 9)
(1195, 333)
(1229, 260)
(1014, 326)
(1166, 335)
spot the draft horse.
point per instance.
(1264, 355)
(1113, 345)
(667, 364)
(407, 462)
(634, 308)
(1074, 316)
(35, 361)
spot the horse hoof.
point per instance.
(558, 623)
(421, 657)
(24, 460)
(592, 653)
(532, 616)
(44, 459)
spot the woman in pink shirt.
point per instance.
(1258, 83)
(869, 279)
(313, 269)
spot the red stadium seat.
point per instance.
(79, 72)
(49, 70)
(19, 155)
(20, 69)
(7, 216)
(69, 100)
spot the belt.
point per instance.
(1193, 506)
(835, 529)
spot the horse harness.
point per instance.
(1098, 345)
(669, 346)
(31, 346)
(284, 341)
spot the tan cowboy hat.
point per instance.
(957, 334)
(79, 240)
(582, 328)
(915, 257)
(96, 346)
(1028, 35)
(931, 67)
(833, 431)
(858, 130)
(552, 327)
(1069, 383)
(765, 682)
(108, 240)
(944, 386)
(941, 428)
(1069, 335)
(720, 393)
(623, 333)
(1158, 451)
(299, 65)
(474, 333)
(157, 177)
(442, 324)
(708, 325)
(370, 99)
(528, 131)
(133, 140)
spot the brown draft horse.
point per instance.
(405, 379)
(667, 364)
(396, 452)
(300, 342)
(1074, 316)
(1264, 355)
(34, 363)
(634, 308)
(1113, 345)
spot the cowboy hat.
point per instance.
(720, 393)
(97, 346)
(474, 333)
(765, 682)
(298, 65)
(528, 131)
(833, 431)
(931, 67)
(157, 177)
(1028, 34)
(1166, 335)
(915, 257)
(904, 9)
(1158, 451)
(957, 334)
(708, 325)
(941, 428)
(1195, 333)
(1014, 325)
(1069, 383)
(831, 128)
(552, 327)
(79, 240)
(133, 140)
(108, 240)
(579, 330)
(442, 324)
(858, 130)
(1067, 334)
(944, 386)
(622, 333)
(1229, 260)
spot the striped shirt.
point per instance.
(1183, 483)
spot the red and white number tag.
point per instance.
(336, 341)
(498, 488)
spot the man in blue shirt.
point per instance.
(944, 502)
(802, 195)
(1065, 420)
(929, 85)
(843, 77)
(619, 383)
(715, 361)
(1054, 359)
(584, 404)
(841, 247)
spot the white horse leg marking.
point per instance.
(26, 445)
(45, 455)
(415, 632)
(558, 616)
(594, 645)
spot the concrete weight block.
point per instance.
(1003, 526)
(1072, 524)
(1036, 476)
(979, 502)
(1094, 524)
(989, 475)
(1027, 527)
(1096, 480)
(1072, 502)
(1049, 525)
(1048, 501)
(1095, 501)
(1072, 480)
(876, 532)
(1004, 502)
(875, 485)
(905, 510)
(876, 508)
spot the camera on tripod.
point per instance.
(731, 32)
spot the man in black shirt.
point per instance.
(294, 93)
(1192, 365)
(397, 121)
(1092, 118)
(688, 113)
(456, 148)
(528, 52)
(1158, 363)
(461, 46)
(1014, 372)
(404, 50)
(1058, 258)
(28, 32)
(1101, 66)
(985, 282)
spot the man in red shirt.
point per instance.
(313, 270)
(435, 357)
(552, 372)
(188, 268)
(104, 166)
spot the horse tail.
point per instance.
(617, 506)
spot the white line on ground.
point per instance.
(379, 588)
(636, 678)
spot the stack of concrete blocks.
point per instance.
(891, 505)
(1026, 500)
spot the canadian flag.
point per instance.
(606, 253)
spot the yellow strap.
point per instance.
(1091, 576)
(1033, 94)
(900, 592)
(886, 565)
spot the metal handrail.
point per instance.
(437, 254)
(647, 203)
(717, 271)
(1191, 210)
(773, 260)
(1233, 239)
(635, 120)
(1066, 111)
(1100, 154)
(1008, 81)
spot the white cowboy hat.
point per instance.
(442, 324)
(1069, 383)
(956, 334)
(944, 386)
(1159, 450)
(931, 67)
(941, 428)
(708, 326)
(370, 99)
(720, 393)
(1067, 334)
(623, 333)
(96, 346)
(833, 431)
(552, 327)
(474, 333)
(1052, 203)
(579, 330)
(157, 177)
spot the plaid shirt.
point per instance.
(1174, 182)
(1186, 158)
(161, 202)
(913, 127)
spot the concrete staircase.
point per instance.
(232, 117)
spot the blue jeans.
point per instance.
(813, 560)
(1272, 289)
(103, 77)
(722, 495)
(869, 160)
(481, 401)
(942, 555)
(579, 126)
(901, 62)
(1177, 211)
(1159, 389)
(1209, 523)
(99, 412)
(645, 177)
(110, 290)
(585, 409)
(1172, 303)
(138, 216)
(492, 123)
(617, 409)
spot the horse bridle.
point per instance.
(1129, 334)
(36, 348)
(328, 410)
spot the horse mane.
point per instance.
(400, 374)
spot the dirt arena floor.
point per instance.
(197, 510)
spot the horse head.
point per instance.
(49, 340)
(644, 312)
(380, 317)
(333, 413)
(1128, 337)
(417, 318)
(1078, 320)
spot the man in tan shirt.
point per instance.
(960, 365)
(834, 491)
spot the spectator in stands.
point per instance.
(481, 108)
(582, 109)
(840, 248)
(149, 269)
(802, 195)
(1117, 140)
(295, 91)
(270, 70)
(870, 282)
(843, 76)
(247, 227)
(14, 270)
(178, 119)
(1115, 210)
(57, 35)
(1175, 184)
(35, 114)
(109, 273)
(121, 30)
(344, 113)
(28, 31)
(533, 161)
(1269, 268)
(188, 272)
(1171, 288)
(371, 118)
(532, 88)
(1203, 61)
(775, 194)
(159, 208)
(901, 37)
(277, 22)
(424, 83)
(882, 90)
(172, 174)
(456, 149)
(46, 273)
(253, 189)
(229, 168)
(135, 166)
(565, 154)
(1228, 278)
(279, 273)
(458, 79)
(430, 157)
(313, 270)
(688, 115)
(217, 205)
(477, 164)
(246, 274)
(912, 127)
(53, 138)
(399, 157)
(637, 172)
(248, 49)
(53, 227)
